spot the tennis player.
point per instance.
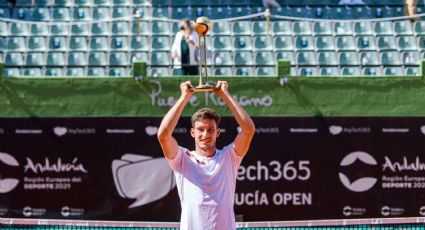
(206, 177)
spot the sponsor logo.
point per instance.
(405, 165)
(3, 211)
(362, 184)
(267, 130)
(61, 131)
(28, 131)
(422, 211)
(120, 131)
(353, 211)
(423, 129)
(391, 211)
(335, 130)
(133, 170)
(180, 130)
(29, 211)
(59, 166)
(1, 131)
(395, 130)
(8, 184)
(67, 211)
(303, 130)
(151, 130)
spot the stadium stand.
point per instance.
(95, 37)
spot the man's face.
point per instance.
(205, 133)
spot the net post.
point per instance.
(283, 68)
(139, 69)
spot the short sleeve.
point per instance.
(176, 162)
(236, 159)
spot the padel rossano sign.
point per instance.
(297, 168)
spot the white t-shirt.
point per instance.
(206, 187)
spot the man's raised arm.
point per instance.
(168, 124)
(243, 140)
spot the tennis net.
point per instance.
(415, 223)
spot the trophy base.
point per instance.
(204, 88)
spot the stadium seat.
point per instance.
(118, 59)
(81, 14)
(223, 58)
(78, 44)
(139, 56)
(242, 28)
(53, 72)
(343, 28)
(410, 58)
(325, 43)
(16, 44)
(260, 28)
(329, 71)
(222, 43)
(265, 71)
(383, 28)
(75, 72)
(18, 29)
(238, 11)
(120, 12)
(369, 58)
(96, 72)
(243, 58)
(282, 43)
(304, 43)
(12, 72)
(160, 12)
(32, 72)
(390, 58)
(345, 43)
(350, 71)
(77, 59)
(301, 12)
(219, 12)
(3, 29)
(403, 28)
(223, 71)
(63, 3)
(141, 29)
(99, 44)
(36, 44)
(159, 71)
(340, 12)
(97, 59)
(21, 13)
(139, 43)
(101, 13)
(302, 28)
(306, 58)
(242, 43)
(264, 58)
(122, 2)
(61, 14)
(327, 58)
(83, 2)
(100, 29)
(372, 71)
(80, 30)
(244, 71)
(322, 28)
(419, 28)
(406, 43)
(39, 30)
(221, 28)
(59, 30)
(412, 71)
(119, 43)
(182, 12)
(285, 55)
(57, 44)
(40, 14)
(55, 59)
(4, 13)
(363, 28)
(3, 45)
(117, 72)
(120, 28)
(348, 59)
(281, 28)
(161, 28)
(393, 71)
(160, 43)
(386, 43)
(366, 43)
(160, 58)
(35, 59)
(308, 71)
(263, 43)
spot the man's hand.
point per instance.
(223, 88)
(185, 89)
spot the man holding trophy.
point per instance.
(206, 177)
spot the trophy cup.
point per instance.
(202, 25)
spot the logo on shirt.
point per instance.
(143, 178)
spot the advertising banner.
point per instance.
(297, 168)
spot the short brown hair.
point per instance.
(205, 114)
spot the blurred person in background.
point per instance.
(183, 50)
(410, 9)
